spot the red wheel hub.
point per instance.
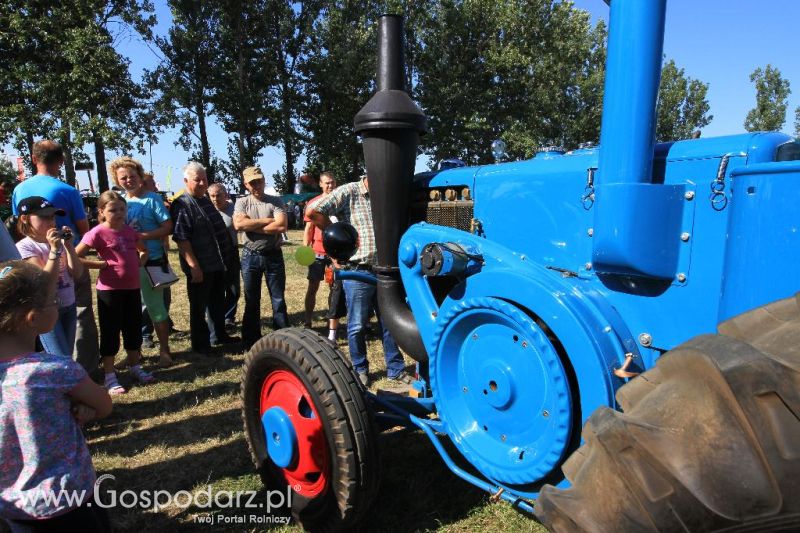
(308, 473)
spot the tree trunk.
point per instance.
(29, 140)
(69, 166)
(100, 162)
(288, 149)
(288, 138)
(244, 145)
(205, 150)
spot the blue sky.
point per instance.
(719, 42)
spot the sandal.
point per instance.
(114, 388)
(141, 375)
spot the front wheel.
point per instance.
(309, 429)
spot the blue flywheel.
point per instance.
(501, 390)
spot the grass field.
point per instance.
(184, 432)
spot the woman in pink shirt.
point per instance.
(119, 303)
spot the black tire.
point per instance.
(710, 439)
(336, 395)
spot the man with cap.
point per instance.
(262, 219)
(48, 157)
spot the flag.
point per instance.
(168, 180)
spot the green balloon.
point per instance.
(305, 255)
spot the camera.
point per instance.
(64, 234)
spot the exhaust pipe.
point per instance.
(633, 74)
(390, 125)
(627, 240)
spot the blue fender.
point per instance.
(592, 339)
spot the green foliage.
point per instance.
(339, 73)
(293, 74)
(797, 122)
(682, 105)
(184, 79)
(284, 183)
(244, 68)
(772, 93)
(8, 180)
(291, 25)
(62, 77)
(8, 175)
(527, 71)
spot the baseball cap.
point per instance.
(252, 173)
(36, 205)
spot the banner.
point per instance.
(20, 169)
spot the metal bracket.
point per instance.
(686, 236)
(588, 192)
(429, 427)
(476, 227)
(718, 198)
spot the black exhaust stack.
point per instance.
(390, 125)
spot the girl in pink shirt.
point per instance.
(119, 304)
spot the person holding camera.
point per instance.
(48, 158)
(52, 250)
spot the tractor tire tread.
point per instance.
(342, 405)
(711, 444)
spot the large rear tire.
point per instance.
(333, 473)
(709, 439)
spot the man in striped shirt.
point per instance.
(350, 203)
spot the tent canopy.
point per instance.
(296, 198)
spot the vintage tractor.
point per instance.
(535, 293)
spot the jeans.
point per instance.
(254, 266)
(208, 294)
(87, 346)
(61, 339)
(232, 291)
(361, 299)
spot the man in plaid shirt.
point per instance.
(350, 203)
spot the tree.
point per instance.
(527, 71)
(62, 77)
(797, 122)
(185, 77)
(25, 96)
(290, 26)
(8, 180)
(339, 73)
(105, 99)
(682, 105)
(244, 70)
(772, 93)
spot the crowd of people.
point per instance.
(49, 340)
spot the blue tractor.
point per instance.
(640, 291)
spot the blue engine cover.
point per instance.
(725, 239)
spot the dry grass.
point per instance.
(184, 432)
